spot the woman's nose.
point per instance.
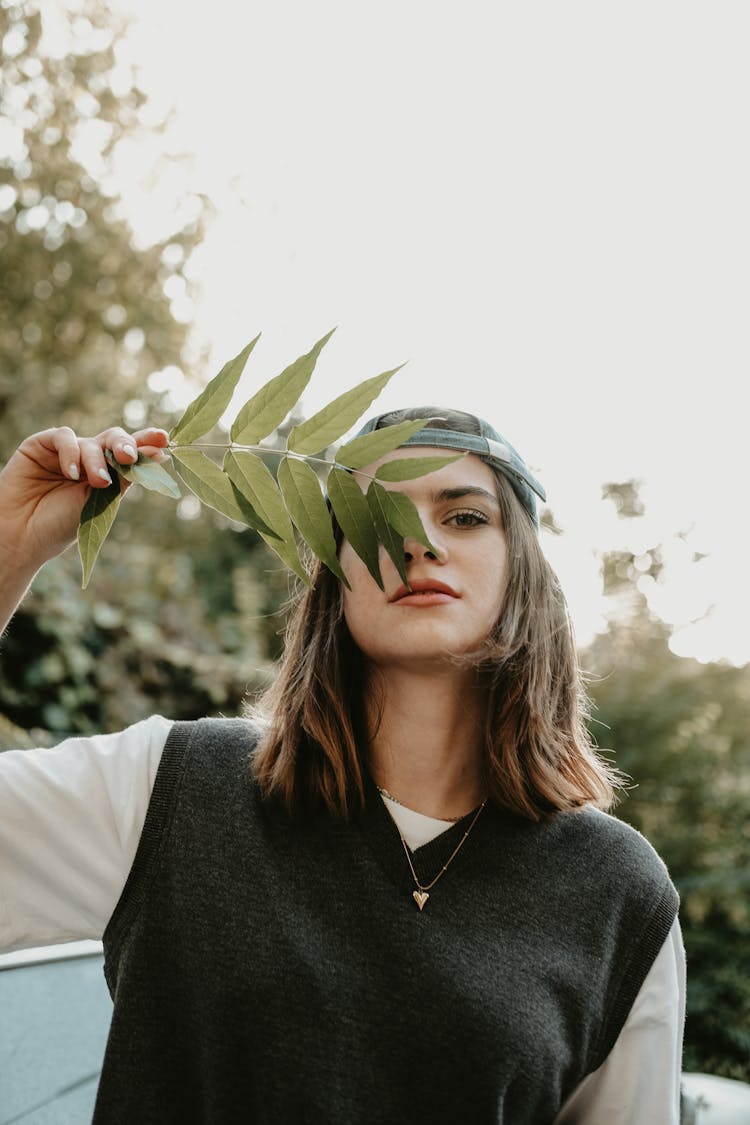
(413, 549)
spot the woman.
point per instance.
(388, 896)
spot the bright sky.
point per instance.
(543, 207)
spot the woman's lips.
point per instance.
(424, 593)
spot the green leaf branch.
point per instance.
(293, 507)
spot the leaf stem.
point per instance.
(230, 446)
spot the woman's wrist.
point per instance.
(15, 579)
(18, 555)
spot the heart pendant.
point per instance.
(420, 897)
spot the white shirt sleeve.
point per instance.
(640, 1078)
(70, 821)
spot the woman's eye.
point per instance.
(468, 517)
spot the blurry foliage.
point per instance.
(548, 522)
(83, 318)
(626, 497)
(185, 631)
(179, 618)
(681, 731)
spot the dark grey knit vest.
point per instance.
(277, 971)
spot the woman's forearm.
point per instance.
(16, 575)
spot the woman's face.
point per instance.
(457, 597)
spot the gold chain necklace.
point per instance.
(421, 894)
(448, 819)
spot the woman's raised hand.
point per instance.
(46, 482)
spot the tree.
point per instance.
(681, 731)
(177, 618)
(84, 317)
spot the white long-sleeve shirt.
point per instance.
(70, 821)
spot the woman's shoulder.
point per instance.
(601, 829)
(221, 728)
(213, 738)
(597, 845)
(615, 852)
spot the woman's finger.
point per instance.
(93, 463)
(152, 436)
(152, 443)
(153, 452)
(63, 443)
(123, 445)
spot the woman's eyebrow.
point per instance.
(464, 490)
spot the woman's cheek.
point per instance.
(348, 559)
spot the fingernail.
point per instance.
(73, 471)
(105, 475)
(130, 450)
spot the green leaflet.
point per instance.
(253, 480)
(325, 427)
(214, 488)
(149, 474)
(391, 540)
(96, 521)
(269, 407)
(407, 468)
(355, 520)
(361, 451)
(402, 516)
(206, 410)
(304, 500)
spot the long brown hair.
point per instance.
(539, 757)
